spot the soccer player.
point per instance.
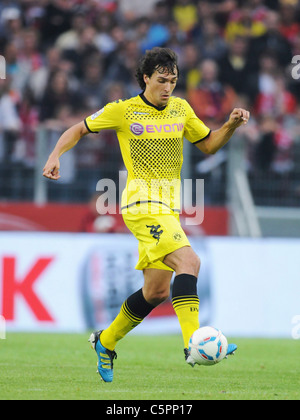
(151, 128)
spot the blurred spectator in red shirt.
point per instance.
(275, 101)
(289, 25)
(211, 100)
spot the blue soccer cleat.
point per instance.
(105, 357)
(231, 349)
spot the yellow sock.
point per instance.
(132, 313)
(122, 325)
(187, 311)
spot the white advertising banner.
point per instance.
(64, 282)
(75, 282)
(256, 286)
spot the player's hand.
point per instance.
(51, 169)
(238, 117)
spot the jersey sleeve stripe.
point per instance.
(198, 141)
(89, 128)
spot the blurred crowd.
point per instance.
(65, 59)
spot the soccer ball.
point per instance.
(208, 346)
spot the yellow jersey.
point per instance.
(151, 143)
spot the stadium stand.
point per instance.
(67, 59)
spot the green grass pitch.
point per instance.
(63, 367)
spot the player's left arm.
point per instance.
(218, 138)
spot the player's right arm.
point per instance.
(67, 141)
(109, 117)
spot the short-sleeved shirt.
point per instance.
(151, 143)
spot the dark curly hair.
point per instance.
(161, 59)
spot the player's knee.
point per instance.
(184, 261)
(190, 266)
(196, 263)
(156, 297)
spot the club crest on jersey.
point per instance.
(137, 129)
(177, 237)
